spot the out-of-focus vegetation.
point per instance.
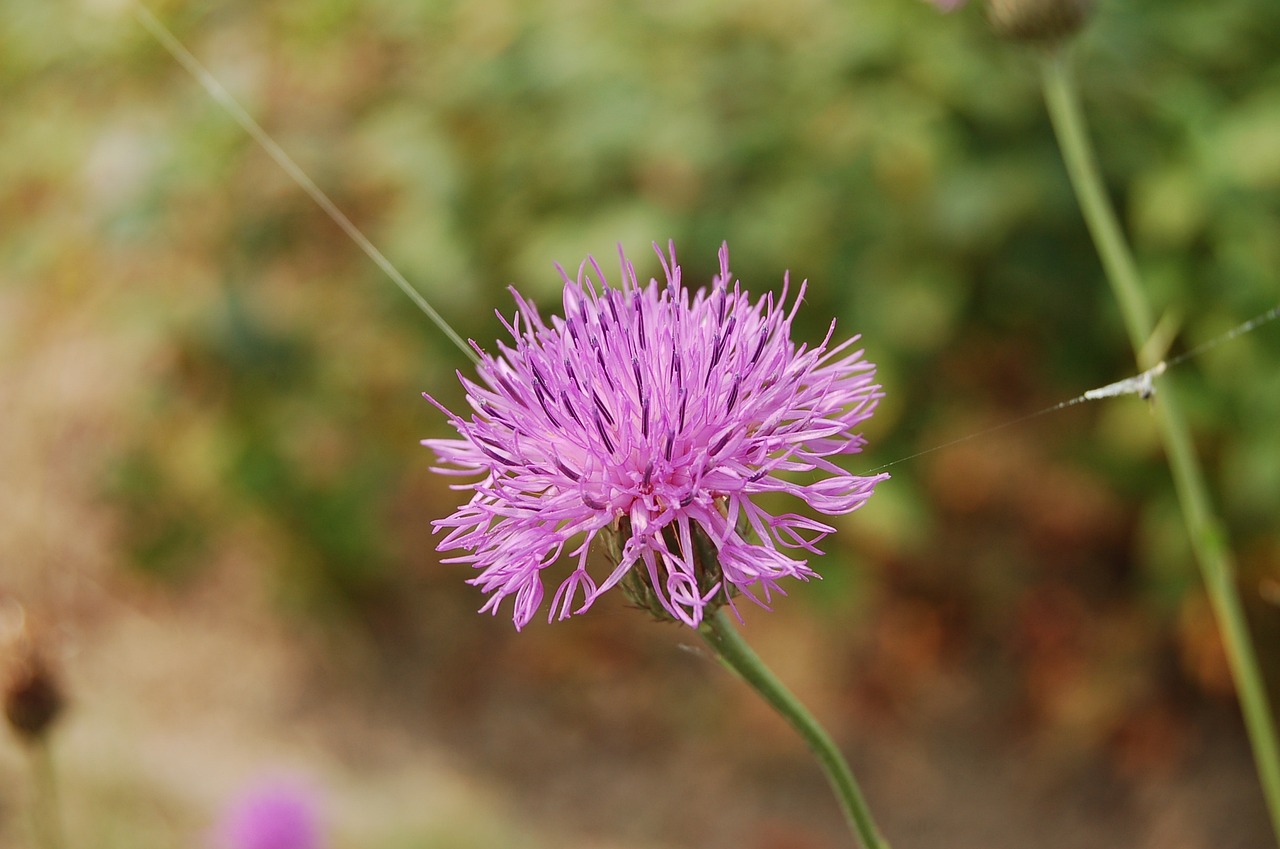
(196, 359)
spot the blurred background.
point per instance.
(215, 508)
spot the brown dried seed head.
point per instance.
(1038, 21)
(32, 695)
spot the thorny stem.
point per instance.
(1208, 538)
(734, 652)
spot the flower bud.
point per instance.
(31, 692)
(1038, 21)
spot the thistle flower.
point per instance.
(271, 815)
(653, 419)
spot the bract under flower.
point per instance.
(662, 412)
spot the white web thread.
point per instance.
(1143, 385)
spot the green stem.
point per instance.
(45, 812)
(734, 652)
(1208, 539)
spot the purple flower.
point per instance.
(947, 5)
(271, 815)
(653, 418)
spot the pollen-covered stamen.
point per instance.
(566, 471)
(644, 418)
(764, 337)
(640, 336)
(572, 374)
(604, 436)
(494, 414)
(511, 391)
(670, 443)
(493, 453)
(539, 382)
(604, 369)
(721, 342)
(568, 407)
(604, 411)
(542, 402)
(733, 395)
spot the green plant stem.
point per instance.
(45, 813)
(734, 652)
(1208, 539)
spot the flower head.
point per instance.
(1045, 22)
(653, 418)
(271, 815)
(30, 686)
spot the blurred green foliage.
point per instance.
(898, 159)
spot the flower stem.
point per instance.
(45, 813)
(734, 652)
(1208, 538)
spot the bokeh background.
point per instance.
(214, 505)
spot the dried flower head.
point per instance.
(1042, 22)
(653, 418)
(1045, 22)
(32, 694)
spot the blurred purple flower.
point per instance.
(948, 5)
(271, 815)
(659, 416)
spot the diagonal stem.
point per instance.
(734, 652)
(1208, 538)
